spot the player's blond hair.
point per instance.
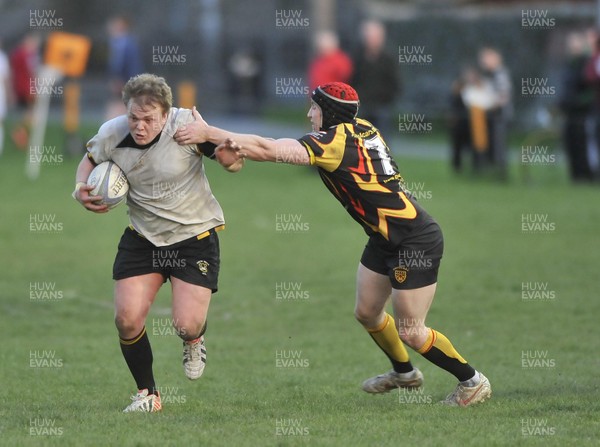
(151, 89)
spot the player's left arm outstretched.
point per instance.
(241, 146)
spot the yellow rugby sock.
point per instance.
(439, 351)
(387, 338)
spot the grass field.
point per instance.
(65, 383)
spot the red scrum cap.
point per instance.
(338, 101)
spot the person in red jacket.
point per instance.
(24, 60)
(331, 64)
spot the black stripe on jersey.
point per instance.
(208, 149)
(322, 138)
(128, 141)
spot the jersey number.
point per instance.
(376, 143)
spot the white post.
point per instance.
(44, 85)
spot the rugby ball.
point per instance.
(109, 181)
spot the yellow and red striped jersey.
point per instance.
(356, 166)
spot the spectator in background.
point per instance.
(375, 77)
(592, 76)
(458, 124)
(331, 64)
(245, 70)
(492, 66)
(124, 61)
(4, 92)
(576, 101)
(473, 97)
(24, 62)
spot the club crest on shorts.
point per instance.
(400, 274)
(203, 267)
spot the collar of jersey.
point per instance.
(128, 141)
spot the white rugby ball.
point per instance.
(109, 181)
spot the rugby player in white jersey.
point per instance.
(172, 235)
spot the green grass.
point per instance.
(243, 394)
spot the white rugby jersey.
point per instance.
(169, 197)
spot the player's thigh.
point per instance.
(372, 292)
(413, 305)
(190, 303)
(194, 284)
(133, 298)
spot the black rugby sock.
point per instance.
(439, 351)
(138, 356)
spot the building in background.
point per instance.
(443, 33)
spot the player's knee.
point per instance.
(187, 332)
(188, 328)
(365, 316)
(128, 326)
(413, 336)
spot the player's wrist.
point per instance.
(212, 134)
